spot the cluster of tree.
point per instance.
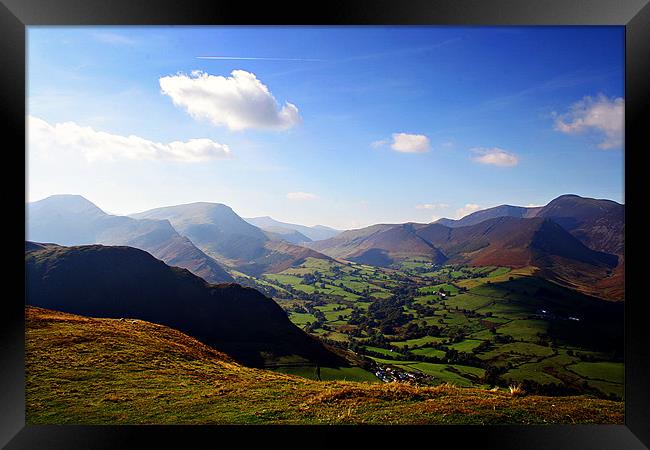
(388, 314)
(501, 338)
(415, 331)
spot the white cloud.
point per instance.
(495, 156)
(467, 209)
(301, 196)
(410, 143)
(432, 206)
(95, 145)
(239, 102)
(601, 114)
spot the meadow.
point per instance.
(469, 326)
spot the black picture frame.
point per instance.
(16, 15)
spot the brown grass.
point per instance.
(107, 371)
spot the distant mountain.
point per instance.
(597, 223)
(73, 220)
(218, 231)
(286, 235)
(380, 245)
(491, 213)
(503, 241)
(315, 233)
(124, 282)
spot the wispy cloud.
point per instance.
(301, 196)
(495, 156)
(61, 138)
(601, 115)
(567, 80)
(239, 102)
(393, 54)
(113, 38)
(432, 206)
(467, 209)
(254, 58)
(380, 143)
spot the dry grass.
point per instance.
(516, 390)
(103, 371)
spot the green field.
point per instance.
(490, 317)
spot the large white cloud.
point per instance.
(600, 114)
(410, 143)
(238, 102)
(495, 156)
(98, 145)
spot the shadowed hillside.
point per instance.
(119, 282)
(221, 233)
(82, 370)
(597, 223)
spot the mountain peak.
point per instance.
(69, 202)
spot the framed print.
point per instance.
(373, 219)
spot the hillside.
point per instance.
(120, 282)
(221, 233)
(491, 213)
(285, 234)
(73, 220)
(503, 241)
(597, 223)
(82, 370)
(315, 233)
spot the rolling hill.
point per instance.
(73, 220)
(503, 241)
(82, 370)
(222, 234)
(120, 282)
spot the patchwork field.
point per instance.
(470, 326)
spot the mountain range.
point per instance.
(73, 220)
(125, 282)
(315, 233)
(575, 241)
(218, 231)
(597, 223)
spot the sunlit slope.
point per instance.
(109, 371)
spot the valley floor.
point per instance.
(470, 326)
(112, 371)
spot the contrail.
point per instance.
(255, 59)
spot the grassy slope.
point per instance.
(93, 371)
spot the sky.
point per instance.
(339, 126)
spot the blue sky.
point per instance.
(344, 127)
